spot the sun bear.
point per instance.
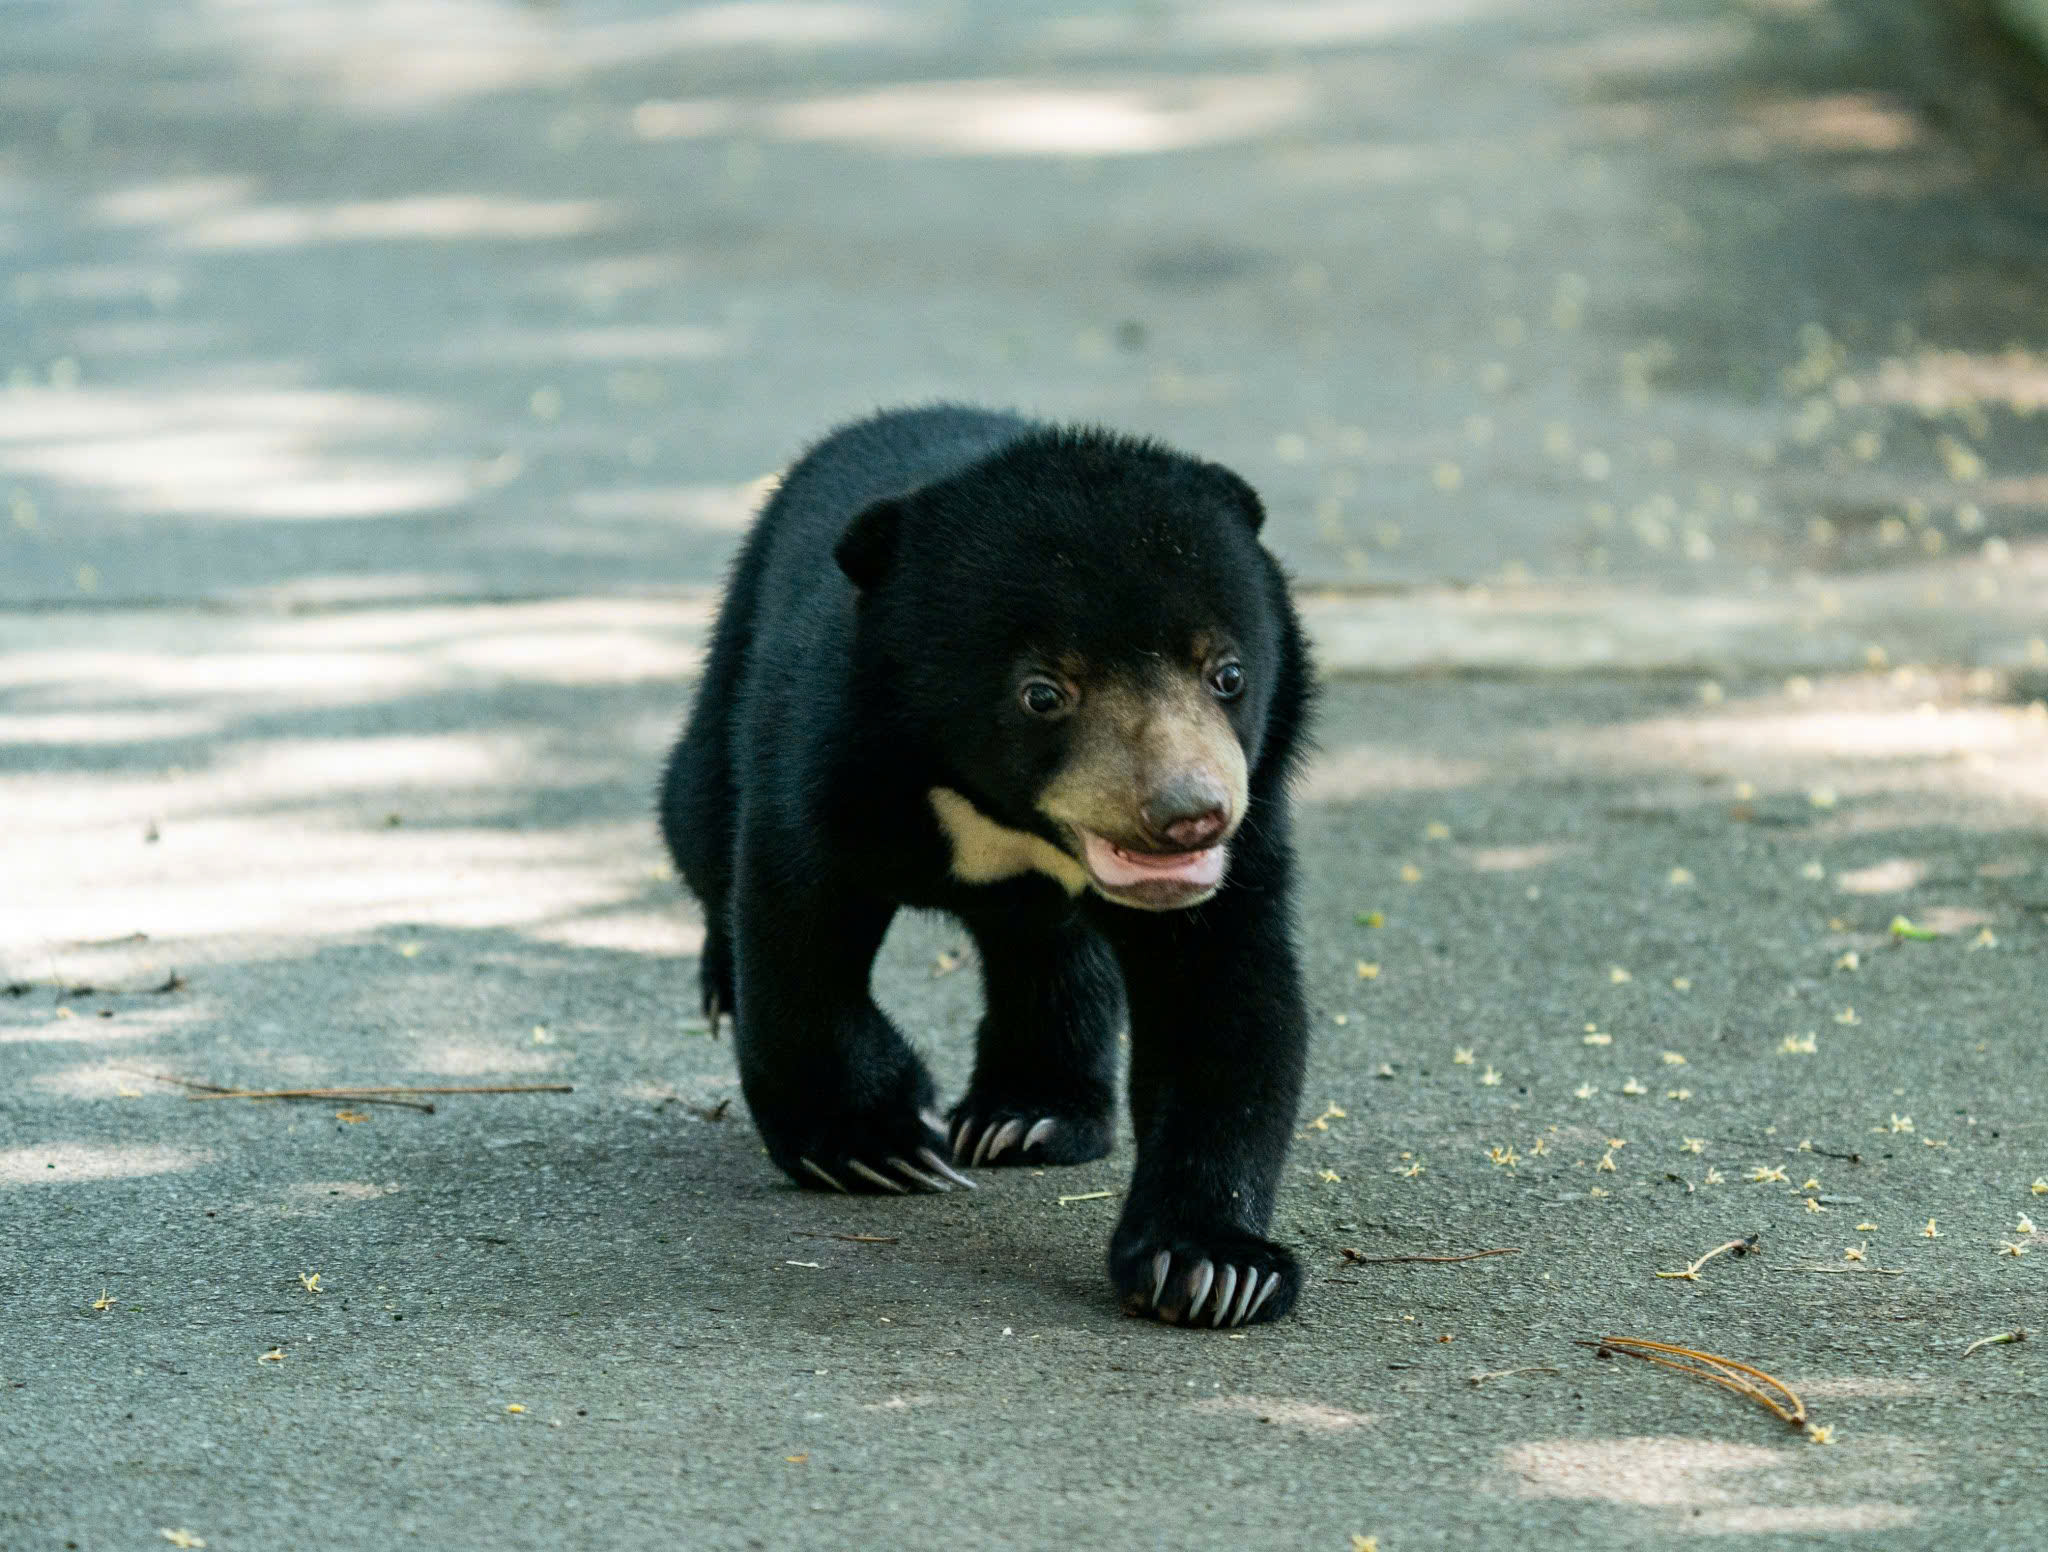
(1048, 680)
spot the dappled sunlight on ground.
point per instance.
(1654, 1472)
(1018, 118)
(65, 1163)
(253, 789)
(198, 671)
(1960, 753)
(88, 960)
(1717, 1481)
(717, 508)
(400, 56)
(279, 454)
(1936, 382)
(664, 932)
(314, 872)
(415, 218)
(479, 1059)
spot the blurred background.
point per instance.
(341, 300)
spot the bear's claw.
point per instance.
(877, 1177)
(1026, 1139)
(918, 1178)
(932, 1178)
(825, 1176)
(1238, 1297)
(1185, 1286)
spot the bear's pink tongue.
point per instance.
(1114, 866)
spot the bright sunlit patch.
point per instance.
(279, 454)
(1892, 876)
(1023, 118)
(1654, 1471)
(97, 1080)
(418, 217)
(1309, 23)
(402, 56)
(662, 933)
(475, 1059)
(1843, 121)
(1935, 381)
(1516, 859)
(104, 727)
(713, 508)
(174, 199)
(65, 1163)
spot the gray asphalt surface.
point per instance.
(387, 388)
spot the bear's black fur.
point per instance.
(1047, 680)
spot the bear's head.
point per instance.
(1083, 639)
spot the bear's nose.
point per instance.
(1189, 812)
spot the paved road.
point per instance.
(389, 385)
(501, 299)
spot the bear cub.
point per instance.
(1048, 680)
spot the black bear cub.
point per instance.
(1048, 680)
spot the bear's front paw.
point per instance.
(855, 1154)
(992, 1131)
(1228, 1278)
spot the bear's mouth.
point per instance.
(1156, 881)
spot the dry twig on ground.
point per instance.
(1734, 1247)
(1725, 1372)
(383, 1094)
(2017, 1334)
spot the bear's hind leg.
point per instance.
(1044, 1086)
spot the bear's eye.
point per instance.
(1043, 698)
(1227, 680)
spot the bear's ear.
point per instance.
(1242, 498)
(869, 544)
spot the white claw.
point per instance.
(963, 1140)
(822, 1175)
(876, 1176)
(939, 1166)
(1244, 1298)
(925, 1182)
(1226, 1290)
(1161, 1265)
(1265, 1293)
(1040, 1130)
(1198, 1288)
(934, 1120)
(987, 1137)
(1010, 1132)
